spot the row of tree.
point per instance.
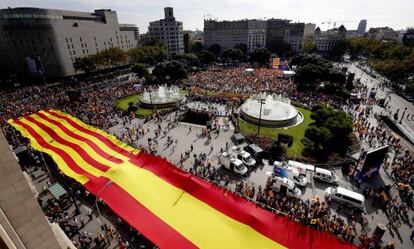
(149, 54)
(391, 59)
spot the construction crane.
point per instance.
(335, 22)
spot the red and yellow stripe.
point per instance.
(172, 208)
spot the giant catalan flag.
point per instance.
(172, 208)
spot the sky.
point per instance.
(397, 14)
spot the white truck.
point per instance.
(285, 170)
(232, 163)
(246, 158)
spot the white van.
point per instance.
(345, 196)
(325, 176)
(285, 186)
(232, 163)
(301, 167)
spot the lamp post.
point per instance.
(96, 199)
(152, 106)
(260, 115)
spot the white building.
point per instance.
(256, 37)
(46, 42)
(169, 31)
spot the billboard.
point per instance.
(370, 163)
(34, 63)
(275, 63)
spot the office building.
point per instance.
(225, 33)
(362, 27)
(325, 41)
(382, 33)
(280, 32)
(46, 42)
(256, 35)
(408, 37)
(169, 31)
(271, 34)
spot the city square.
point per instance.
(236, 138)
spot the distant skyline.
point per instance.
(396, 14)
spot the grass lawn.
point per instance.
(123, 104)
(298, 132)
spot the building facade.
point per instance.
(325, 41)
(271, 34)
(256, 35)
(280, 32)
(408, 37)
(22, 221)
(46, 42)
(225, 33)
(382, 33)
(169, 31)
(362, 27)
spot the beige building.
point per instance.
(38, 42)
(169, 31)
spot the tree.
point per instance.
(189, 60)
(242, 47)
(140, 70)
(85, 64)
(282, 49)
(309, 47)
(206, 57)
(172, 70)
(338, 50)
(151, 54)
(329, 133)
(196, 48)
(215, 49)
(233, 54)
(260, 56)
(114, 56)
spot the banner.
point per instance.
(169, 206)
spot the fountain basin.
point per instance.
(161, 97)
(276, 111)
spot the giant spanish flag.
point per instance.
(172, 208)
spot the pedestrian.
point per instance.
(90, 214)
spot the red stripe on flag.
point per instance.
(88, 158)
(139, 217)
(278, 228)
(103, 139)
(94, 146)
(65, 156)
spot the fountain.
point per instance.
(161, 97)
(272, 110)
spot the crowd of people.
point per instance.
(96, 107)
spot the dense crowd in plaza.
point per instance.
(96, 107)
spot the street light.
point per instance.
(96, 199)
(260, 115)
